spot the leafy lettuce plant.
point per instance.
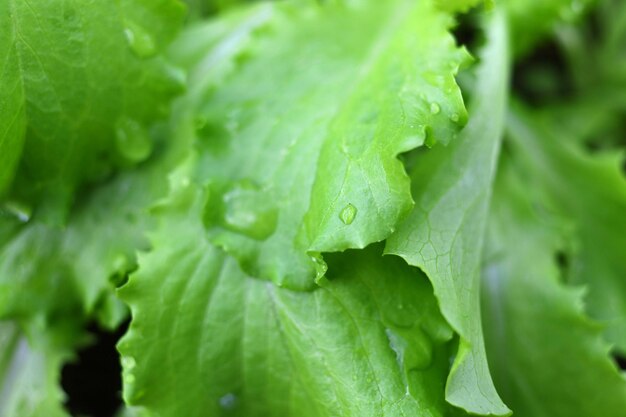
(292, 208)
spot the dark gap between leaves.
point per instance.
(543, 76)
(563, 262)
(466, 32)
(620, 360)
(93, 382)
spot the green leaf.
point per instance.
(545, 15)
(298, 146)
(12, 111)
(548, 358)
(589, 194)
(72, 271)
(52, 271)
(30, 371)
(206, 339)
(78, 89)
(443, 235)
(458, 5)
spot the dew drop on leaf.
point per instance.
(454, 117)
(248, 210)
(129, 363)
(434, 108)
(132, 140)
(228, 401)
(347, 214)
(320, 267)
(140, 41)
(20, 211)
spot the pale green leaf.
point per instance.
(443, 235)
(79, 84)
(12, 112)
(52, 271)
(298, 146)
(30, 371)
(589, 194)
(548, 358)
(47, 270)
(208, 340)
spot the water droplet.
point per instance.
(244, 208)
(20, 211)
(454, 117)
(320, 267)
(347, 214)
(434, 108)
(433, 78)
(132, 140)
(139, 40)
(228, 401)
(128, 363)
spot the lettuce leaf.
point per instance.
(80, 87)
(30, 368)
(266, 285)
(548, 358)
(561, 170)
(302, 159)
(207, 339)
(443, 235)
(545, 15)
(72, 271)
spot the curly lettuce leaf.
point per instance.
(548, 358)
(589, 193)
(78, 89)
(30, 369)
(47, 270)
(298, 146)
(206, 339)
(597, 67)
(443, 235)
